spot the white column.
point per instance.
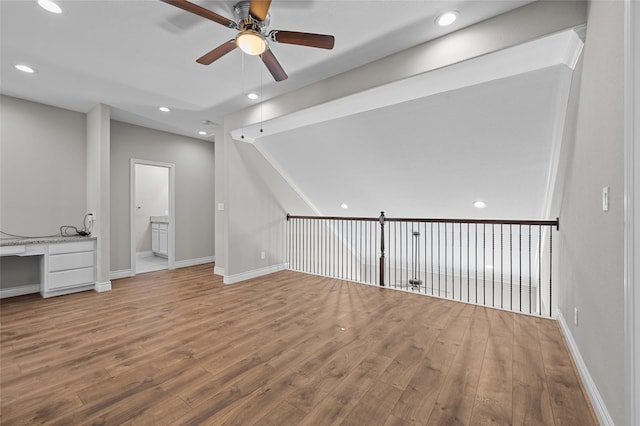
(221, 244)
(98, 188)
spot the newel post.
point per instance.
(381, 220)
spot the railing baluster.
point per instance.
(539, 270)
(493, 266)
(445, 260)
(476, 260)
(484, 263)
(439, 273)
(550, 269)
(433, 284)
(468, 262)
(460, 258)
(425, 259)
(530, 273)
(510, 267)
(347, 248)
(501, 267)
(520, 266)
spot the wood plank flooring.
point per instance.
(179, 347)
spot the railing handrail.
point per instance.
(555, 223)
(324, 237)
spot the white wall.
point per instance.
(591, 240)
(194, 174)
(152, 199)
(42, 167)
(256, 195)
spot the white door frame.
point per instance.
(172, 210)
(632, 211)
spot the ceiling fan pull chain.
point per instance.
(242, 88)
(261, 101)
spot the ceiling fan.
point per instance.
(252, 20)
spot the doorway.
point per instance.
(152, 214)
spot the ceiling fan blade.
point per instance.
(273, 65)
(322, 41)
(259, 9)
(201, 11)
(217, 53)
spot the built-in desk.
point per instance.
(67, 264)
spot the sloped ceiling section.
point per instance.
(493, 139)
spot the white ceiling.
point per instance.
(433, 156)
(426, 155)
(485, 129)
(138, 55)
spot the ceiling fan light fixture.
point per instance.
(251, 42)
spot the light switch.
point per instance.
(605, 199)
(220, 206)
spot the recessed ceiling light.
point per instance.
(202, 132)
(25, 68)
(479, 204)
(447, 18)
(344, 206)
(50, 6)
(489, 266)
(252, 96)
(164, 109)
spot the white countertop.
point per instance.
(159, 219)
(44, 240)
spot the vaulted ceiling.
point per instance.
(406, 148)
(138, 55)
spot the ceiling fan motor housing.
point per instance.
(248, 22)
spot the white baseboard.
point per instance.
(125, 273)
(100, 287)
(232, 279)
(587, 380)
(116, 275)
(19, 291)
(218, 271)
(194, 262)
(143, 254)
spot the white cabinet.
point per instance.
(70, 267)
(160, 239)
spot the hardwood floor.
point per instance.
(179, 347)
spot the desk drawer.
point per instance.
(12, 250)
(62, 262)
(71, 278)
(72, 247)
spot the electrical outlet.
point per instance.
(263, 255)
(575, 316)
(91, 216)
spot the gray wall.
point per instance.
(259, 225)
(257, 197)
(591, 241)
(194, 175)
(42, 167)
